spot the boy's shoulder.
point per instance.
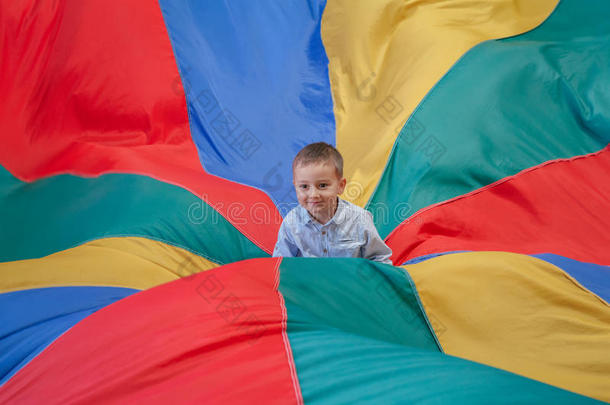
(353, 213)
(353, 207)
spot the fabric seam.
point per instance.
(287, 350)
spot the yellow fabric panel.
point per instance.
(385, 55)
(130, 262)
(520, 314)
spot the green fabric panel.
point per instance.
(507, 105)
(328, 294)
(61, 212)
(358, 334)
(337, 367)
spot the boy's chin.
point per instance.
(316, 207)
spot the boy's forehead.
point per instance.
(313, 171)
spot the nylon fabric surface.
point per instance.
(517, 209)
(520, 314)
(337, 367)
(546, 99)
(145, 163)
(257, 86)
(170, 336)
(75, 210)
(594, 277)
(385, 56)
(381, 349)
(93, 89)
(128, 262)
(27, 330)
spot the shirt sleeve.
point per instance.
(285, 245)
(375, 248)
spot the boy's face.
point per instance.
(317, 186)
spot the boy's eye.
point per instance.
(323, 185)
(303, 186)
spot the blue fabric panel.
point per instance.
(256, 79)
(30, 320)
(594, 277)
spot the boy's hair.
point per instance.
(319, 152)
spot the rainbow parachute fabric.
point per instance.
(146, 150)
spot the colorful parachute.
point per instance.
(145, 152)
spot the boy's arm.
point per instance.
(285, 245)
(375, 248)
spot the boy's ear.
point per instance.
(342, 183)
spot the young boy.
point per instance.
(323, 225)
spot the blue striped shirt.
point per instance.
(350, 233)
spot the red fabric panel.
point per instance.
(559, 207)
(216, 337)
(90, 88)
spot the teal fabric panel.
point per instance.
(505, 106)
(60, 212)
(336, 367)
(357, 296)
(358, 335)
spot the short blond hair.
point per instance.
(319, 152)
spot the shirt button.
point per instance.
(325, 250)
(323, 232)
